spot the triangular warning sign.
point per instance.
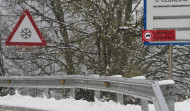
(26, 32)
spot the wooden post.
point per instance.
(170, 62)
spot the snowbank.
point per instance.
(182, 106)
(64, 105)
(76, 105)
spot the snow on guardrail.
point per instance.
(166, 82)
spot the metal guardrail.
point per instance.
(144, 89)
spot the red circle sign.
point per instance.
(147, 35)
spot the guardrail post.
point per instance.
(144, 105)
(72, 93)
(97, 94)
(169, 95)
(17, 90)
(120, 98)
(46, 93)
(26, 91)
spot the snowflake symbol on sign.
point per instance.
(26, 33)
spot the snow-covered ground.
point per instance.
(76, 105)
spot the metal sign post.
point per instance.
(26, 90)
(26, 64)
(26, 50)
(26, 36)
(170, 62)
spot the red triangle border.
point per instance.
(43, 43)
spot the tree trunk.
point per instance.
(59, 15)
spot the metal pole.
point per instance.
(26, 64)
(26, 90)
(120, 98)
(72, 93)
(97, 94)
(170, 62)
(144, 105)
(46, 93)
(169, 95)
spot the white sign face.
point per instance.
(26, 33)
(169, 15)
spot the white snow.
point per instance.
(95, 75)
(182, 106)
(66, 104)
(76, 105)
(124, 28)
(139, 77)
(116, 76)
(165, 82)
